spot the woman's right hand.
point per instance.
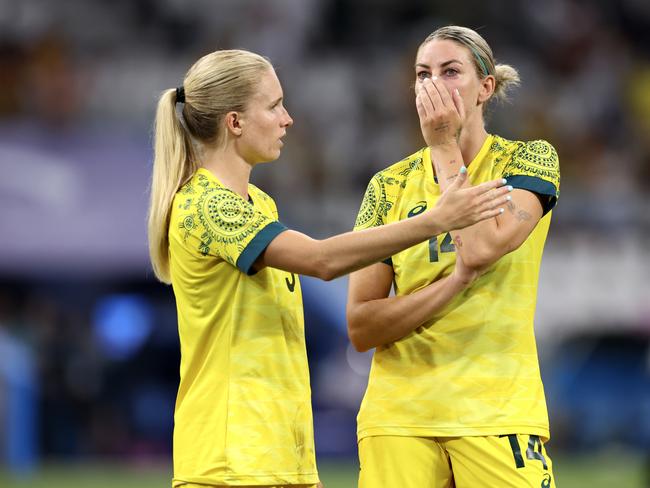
(441, 113)
(461, 207)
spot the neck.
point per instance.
(472, 138)
(229, 167)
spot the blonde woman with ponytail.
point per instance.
(454, 396)
(243, 410)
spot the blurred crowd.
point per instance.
(347, 72)
(75, 71)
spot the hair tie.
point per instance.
(180, 95)
(480, 61)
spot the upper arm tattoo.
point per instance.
(520, 214)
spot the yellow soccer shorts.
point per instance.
(195, 485)
(508, 461)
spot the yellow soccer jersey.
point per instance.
(472, 369)
(243, 410)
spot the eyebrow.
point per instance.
(277, 100)
(442, 65)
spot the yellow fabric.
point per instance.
(514, 461)
(472, 369)
(243, 410)
(194, 485)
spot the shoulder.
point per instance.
(538, 153)
(532, 166)
(409, 166)
(385, 188)
(397, 174)
(256, 191)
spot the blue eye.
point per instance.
(423, 75)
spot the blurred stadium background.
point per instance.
(88, 343)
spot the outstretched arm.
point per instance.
(333, 257)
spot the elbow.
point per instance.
(324, 271)
(323, 266)
(477, 262)
(481, 258)
(358, 342)
(355, 333)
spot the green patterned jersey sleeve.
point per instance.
(374, 206)
(231, 228)
(535, 167)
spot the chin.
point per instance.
(268, 158)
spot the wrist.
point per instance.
(462, 281)
(434, 222)
(444, 146)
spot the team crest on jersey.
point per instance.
(546, 482)
(418, 209)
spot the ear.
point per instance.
(234, 123)
(486, 90)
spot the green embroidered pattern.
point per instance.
(187, 225)
(218, 217)
(227, 218)
(537, 159)
(375, 206)
(414, 165)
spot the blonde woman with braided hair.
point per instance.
(454, 397)
(243, 410)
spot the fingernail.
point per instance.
(463, 170)
(510, 188)
(434, 78)
(504, 181)
(501, 210)
(508, 198)
(457, 92)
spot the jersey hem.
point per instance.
(538, 186)
(251, 479)
(415, 431)
(257, 245)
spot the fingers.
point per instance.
(430, 89)
(494, 202)
(459, 180)
(488, 214)
(425, 101)
(490, 185)
(443, 93)
(459, 104)
(422, 113)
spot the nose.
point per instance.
(288, 121)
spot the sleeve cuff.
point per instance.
(257, 245)
(538, 186)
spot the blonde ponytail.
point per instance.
(216, 84)
(173, 165)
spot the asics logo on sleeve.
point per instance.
(418, 209)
